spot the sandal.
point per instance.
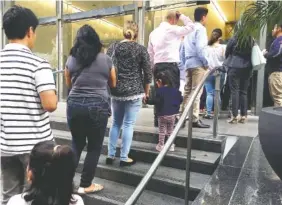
(233, 120)
(96, 188)
(242, 120)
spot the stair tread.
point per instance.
(116, 193)
(196, 135)
(196, 155)
(166, 174)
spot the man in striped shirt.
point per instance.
(27, 92)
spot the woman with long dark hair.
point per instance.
(50, 176)
(215, 56)
(238, 61)
(88, 72)
(134, 77)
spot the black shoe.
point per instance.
(209, 117)
(110, 160)
(199, 124)
(156, 123)
(128, 163)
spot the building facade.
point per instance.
(60, 20)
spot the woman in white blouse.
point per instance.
(215, 55)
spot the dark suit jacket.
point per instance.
(238, 56)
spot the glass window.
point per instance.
(45, 45)
(78, 6)
(41, 8)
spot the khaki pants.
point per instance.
(275, 88)
(193, 79)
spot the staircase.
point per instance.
(167, 185)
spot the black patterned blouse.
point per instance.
(132, 63)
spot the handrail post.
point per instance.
(188, 158)
(216, 103)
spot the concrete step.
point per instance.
(117, 194)
(201, 161)
(166, 180)
(201, 141)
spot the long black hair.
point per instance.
(215, 36)
(53, 169)
(87, 46)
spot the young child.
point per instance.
(50, 176)
(168, 100)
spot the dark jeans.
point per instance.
(13, 175)
(171, 70)
(239, 80)
(87, 119)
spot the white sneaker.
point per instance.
(172, 148)
(159, 147)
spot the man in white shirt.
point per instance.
(164, 44)
(27, 91)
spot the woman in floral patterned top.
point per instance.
(134, 76)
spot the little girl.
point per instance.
(167, 100)
(50, 176)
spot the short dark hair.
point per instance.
(17, 21)
(164, 77)
(199, 13)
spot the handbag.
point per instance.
(257, 58)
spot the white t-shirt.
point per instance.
(216, 55)
(19, 200)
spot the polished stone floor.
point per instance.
(243, 177)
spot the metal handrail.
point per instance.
(140, 188)
(58, 71)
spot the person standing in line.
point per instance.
(168, 100)
(28, 93)
(163, 47)
(196, 64)
(216, 57)
(88, 73)
(238, 61)
(50, 174)
(134, 76)
(182, 69)
(274, 59)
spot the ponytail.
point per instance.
(216, 35)
(53, 169)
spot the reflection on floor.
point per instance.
(229, 143)
(243, 177)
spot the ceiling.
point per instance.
(89, 5)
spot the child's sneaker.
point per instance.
(172, 148)
(159, 147)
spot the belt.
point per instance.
(170, 63)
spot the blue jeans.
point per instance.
(210, 88)
(124, 116)
(87, 120)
